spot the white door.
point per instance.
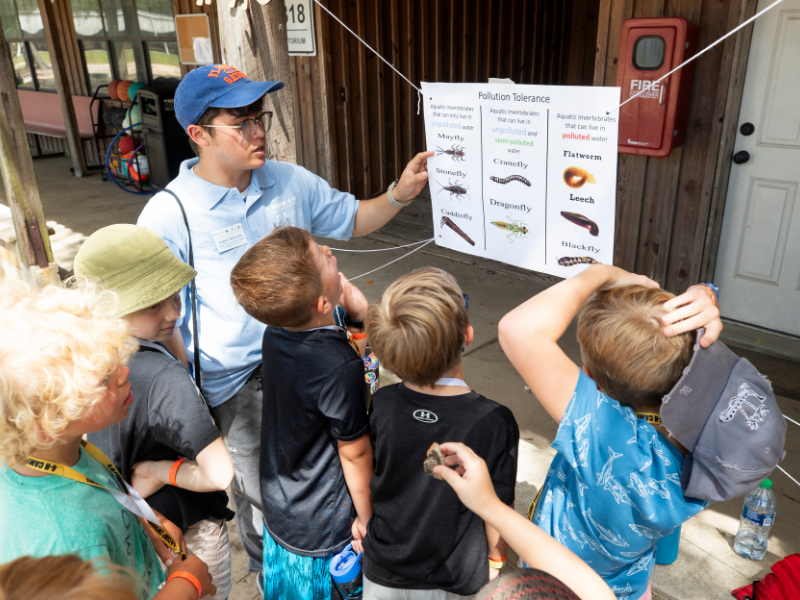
(758, 266)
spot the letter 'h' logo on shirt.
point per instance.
(425, 416)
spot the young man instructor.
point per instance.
(233, 197)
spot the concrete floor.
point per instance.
(707, 567)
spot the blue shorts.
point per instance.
(289, 576)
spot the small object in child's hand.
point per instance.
(369, 280)
(434, 457)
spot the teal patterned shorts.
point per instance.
(289, 576)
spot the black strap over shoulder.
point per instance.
(193, 295)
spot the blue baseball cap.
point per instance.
(217, 86)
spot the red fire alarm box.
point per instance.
(654, 123)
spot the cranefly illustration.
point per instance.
(505, 180)
(456, 228)
(571, 261)
(576, 177)
(456, 189)
(582, 221)
(517, 228)
(455, 152)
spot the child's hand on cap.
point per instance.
(692, 310)
(353, 301)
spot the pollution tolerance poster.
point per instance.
(524, 174)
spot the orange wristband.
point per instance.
(190, 578)
(359, 336)
(173, 471)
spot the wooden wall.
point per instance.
(669, 210)
(356, 120)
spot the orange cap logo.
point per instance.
(232, 74)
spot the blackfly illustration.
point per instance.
(571, 261)
(517, 228)
(455, 189)
(519, 178)
(455, 152)
(582, 221)
(456, 228)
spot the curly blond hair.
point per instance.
(58, 347)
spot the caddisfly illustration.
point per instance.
(455, 152)
(519, 178)
(571, 261)
(456, 228)
(455, 189)
(582, 221)
(517, 228)
(575, 177)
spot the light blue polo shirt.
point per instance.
(279, 194)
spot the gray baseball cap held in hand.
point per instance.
(723, 411)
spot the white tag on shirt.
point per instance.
(229, 238)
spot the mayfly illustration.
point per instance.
(455, 152)
(455, 189)
(571, 261)
(517, 228)
(519, 178)
(582, 221)
(456, 228)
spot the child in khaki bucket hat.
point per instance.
(168, 447)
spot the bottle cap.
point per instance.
(766, 484)
(346, 565)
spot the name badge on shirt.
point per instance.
(229, 237)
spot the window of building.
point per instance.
(24, 32)
(126, 39)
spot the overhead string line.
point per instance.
(391, 66)
(707, 48)
(383, 249)
(394, 261)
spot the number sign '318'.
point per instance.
(300, 27)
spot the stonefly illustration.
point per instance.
(456, 228)
(505, 180)
(455, 152)
(517, 228)
(582, 221)
(571, 261)
(455, 189)
(576, 177)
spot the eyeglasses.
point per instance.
(249, 127)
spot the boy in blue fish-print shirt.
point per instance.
(614, 487)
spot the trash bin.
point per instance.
(165, 140)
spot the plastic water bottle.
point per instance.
(758, 516)
(346, 573)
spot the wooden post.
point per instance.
(252, 38)
(19, 180)
(53, 36)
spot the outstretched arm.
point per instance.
(375, 213)
(529, 334)
(472, 483)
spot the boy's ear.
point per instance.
(323, 306)
(469, 335)
(199, 135)
(586, 370)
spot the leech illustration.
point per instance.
(517, 228)
(519, 178)
(456, 228)
(571, 261)
(582, 221)
(455, 152)
(455, 189)
(575, 177)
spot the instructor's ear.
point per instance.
(199, 135)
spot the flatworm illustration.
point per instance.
(576, 177)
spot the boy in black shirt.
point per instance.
(316, 458)
(421, 542)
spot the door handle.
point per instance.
(741, 157)
(661, 93)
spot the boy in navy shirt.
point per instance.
(316, 458)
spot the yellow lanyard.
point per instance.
(53, 468)
(652, 418)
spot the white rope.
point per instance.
(383, 249)
(394, 261)
(789, 476)
(680, 66)
(391, 66)
(792, 420)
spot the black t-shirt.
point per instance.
(314, 395)
(167, 420)
(421, 535)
